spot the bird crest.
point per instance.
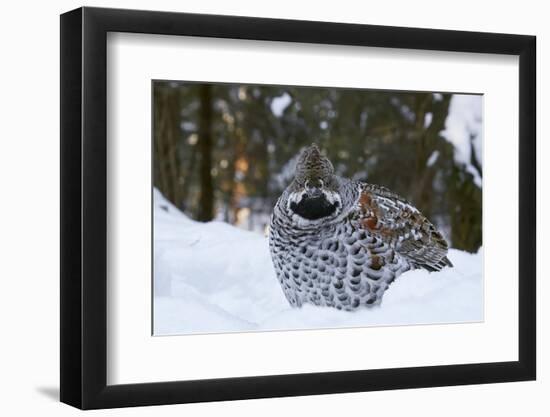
(313, 165)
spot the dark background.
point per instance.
(227, 151)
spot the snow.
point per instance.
(463, 122)
(433, 158)
(428, 117)
(213, 277)
(279, 104)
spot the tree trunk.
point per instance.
(206, 199)
(166, 140)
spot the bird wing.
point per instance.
(397, 222)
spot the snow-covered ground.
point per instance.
(213, 277)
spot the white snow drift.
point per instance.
(213, 277)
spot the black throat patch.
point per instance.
(314, 208)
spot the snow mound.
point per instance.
(213, 277)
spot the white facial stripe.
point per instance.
(295, 198)
(332, 197)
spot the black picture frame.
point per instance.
(84, 207)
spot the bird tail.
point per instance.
(435, 267)
(443, 263)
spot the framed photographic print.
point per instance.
(257, 208)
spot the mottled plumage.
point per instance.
(341, 243)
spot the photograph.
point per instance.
(301, 207)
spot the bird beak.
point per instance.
(314, 188)
(313, 192)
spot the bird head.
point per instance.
(314, 193)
